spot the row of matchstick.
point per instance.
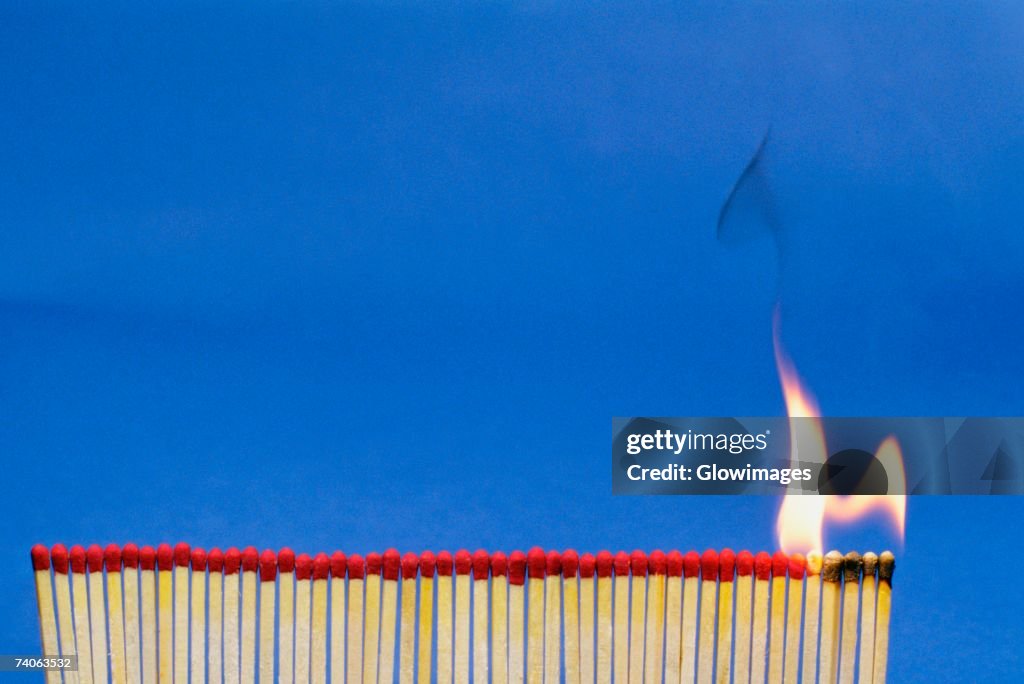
(184, 615)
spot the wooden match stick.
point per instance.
(115, 613)
(197, 627)
(516, 616)
(286, 616)
(268, 597)
(852, 566)
(637, 607)
(691, 586)
(165, 614)
(605, 566)
(44, 602)
(812, 623)
(654, 628)
(407, 638)
(866, 661)
(97, 613)
(215, 620)
(356, 600)
(726, 575)
(886, 566)
(553, 618)
(232, 600)
(571, 615)
(588, 568)
(777, 639)
(182, 555)
(708, 603)
(303, 598)
(831, 573)
(535, 563)
(371, 614)
(428, 567)
(499, 618)
(389, 615)
(463, 567)
(250, 581)
(62, 594)
(794, 610)
(339, 566)
(318, 637)
(673, 615)
(481, 576)
(445, 605)
(759, 641)
(147, 580)
(80, 597)
(621, 617)
(744, 606)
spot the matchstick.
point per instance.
(250, 581)
(356, 600)
(866, 661)
(130, 577)
(794, 608)
(407, 638)
(831, 571)
(80, 597)
(165, 614)
(303, 636)
(232, 600)
(759, 642)
(708, 601)
(197, 627)
(637, 606)
(655, 623)
(339, 566)
(268, 596)
(463, 567)
(744, 606)
(726, 576)
(620, 654)
(97, 613)
(499, 618)
(481, 575)
(115, 613)
(886, 566)
(673, 615)
(553, 617)
(691, 585)
(424, 665)
(605, 565)
(389, 616)
(318, 637)
(571, 615)
(852, 566)
(445, 565)
(587, 592)
(182, 555)
(286, 616)
(535, 563)
(812, 622)
(371, 616)
(777, 638)
(62, 594)
(516, 616)
(44, 602)
(215, 620)
(147, 578)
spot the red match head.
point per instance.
(428, 564)
(147, 558)
(463, 562)
(553, 564)
(780, 564)
(481, 564)
(638, 563)
(392, 564)
(286, 560)
(499, 564)
(762, 565)
(570, 564)
(215, 560)
(797, 566)
(321, 566)
(374, 563)
(303, 567)
(182, 554)
(77, 558)
(621, 564)
(198, 559)
(517, 568)
(657, 563)
(410, 565)
(112, 558)
(691, 564)
(726, 565)
(709, 565)
(250, 559)
(445, 564)
(130, 555)
(232, 561)
(164, 557)
(94, 558)
(59, 557)
(268, 566)
(536, 562)
(604, 563)
(674, 563)
(588, 566)
(744, 563)
(356, 567)
(40, 557)
(339, 564)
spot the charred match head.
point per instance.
(852, 566)
(832, 566)
(870, 564)
(814, 561)
(886, 566)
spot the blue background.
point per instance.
(358, 276)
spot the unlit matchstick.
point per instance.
(356, 582)
(673, 615)
(197, 629)
(637, 607)
(759, 639)
(794, 608)
(232, 600)
(499, 618)
(571, 615)
(428, 567)
(389, 615)
(463, 568)
(587, 592)
(80, 598)
(371, 615)
(97, 613)
(318, 646)
(215, 619)
(621, 617)
(708, 603)
(481, 577)
(552, 617)
(250, 581)
(691, 588)
(62, 596)
(535, 563)
(339, 566)
(777, 638)
(268, 576)
(286, 616)
(744, 607)
(147, 609)
(517, 562)
(44, 602)
(726, 575)
(407, 637)
(604, 566)
(303, 610)
(445, 601)
(654, 645)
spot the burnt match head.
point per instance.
(286, 560)
(40, 557)
(763, 566)
(428, 564)
(674, 564)
(339, 565)
(657, 563)
(321, 566)
(797, 566)
(570, 563)
(463, 562)
(481, 564)
(870, 564)
(59, 557)
(410, 565)
(886, 566)
(709, 566)
(392, 564)
(303, 567)
(268, 566)
(588, 566)
(744, 563)
(814, 561)
(536, 562)
(517, 568)
(832, 566)
(130, 555)
(852, 566)
(499, 564)
(77, 557)
(112, 558)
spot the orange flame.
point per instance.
(801, 520)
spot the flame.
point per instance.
(801, 520)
